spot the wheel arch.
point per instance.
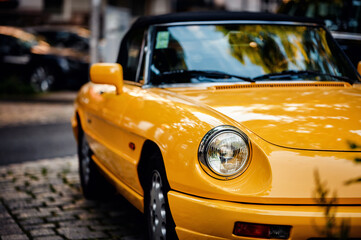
(79, 126)
(150, 150)
(151, 159)
(76, 125)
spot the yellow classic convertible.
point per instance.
(226, 126)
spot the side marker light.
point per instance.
(132, 146)
(261, 230)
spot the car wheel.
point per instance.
(160, 223)
(42, 79)
(92, 182)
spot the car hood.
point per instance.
(301, 116)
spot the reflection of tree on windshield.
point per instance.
(280, 48)
(317, 47)
(250, 50)
(259, 47)
(272, 55)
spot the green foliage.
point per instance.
(322, 198)
(351, 181)
(52, 188)
(345, 228)
(354, 145)
(12, 85)
(44, 171)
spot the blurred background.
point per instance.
(52, 42)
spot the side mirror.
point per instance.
(359, 67)
(108, 73)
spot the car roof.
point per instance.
(146, 21)
(81, 31)
(17, 33)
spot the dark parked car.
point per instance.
(39, 64)
(76, 38)
(342, 18)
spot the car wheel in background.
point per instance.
(159, 220)
(93, 183)
(42, 79)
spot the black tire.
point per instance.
(93, 183)
(159, 220)
(42, 79)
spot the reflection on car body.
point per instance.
(213, 124)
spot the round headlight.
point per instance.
(225, 152)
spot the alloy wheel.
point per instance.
(157, 208)
(41, 79)
(85, 161)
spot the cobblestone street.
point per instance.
(42, 200)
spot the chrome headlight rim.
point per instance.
(204, 145)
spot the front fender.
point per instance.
(177, 125)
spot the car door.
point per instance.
(120, 147)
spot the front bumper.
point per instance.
(199, 218)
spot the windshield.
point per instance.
(246, 51)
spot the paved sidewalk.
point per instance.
(45, 108)
(21, 113)
(42, 200)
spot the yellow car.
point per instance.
(226, 126)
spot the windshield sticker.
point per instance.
(162, 40)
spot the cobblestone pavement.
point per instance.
(42, 200)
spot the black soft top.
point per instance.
(146, 21)
(143, 22)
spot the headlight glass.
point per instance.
(225, 152)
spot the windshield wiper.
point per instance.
(181, 74)
(293, 73)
